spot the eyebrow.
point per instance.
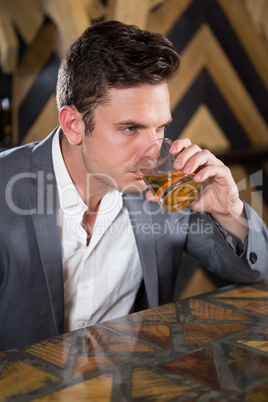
(137, 124)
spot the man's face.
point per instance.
(130, 119)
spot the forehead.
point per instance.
(147, 98)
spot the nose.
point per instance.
(152, 149)
(149, 137)
(149, 148)
(148, 154)
(152, 135)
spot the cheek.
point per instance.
(107, 156)
(116, 157)
(109, 161)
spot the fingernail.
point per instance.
(178, 163)
(174, 148)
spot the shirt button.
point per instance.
(81, 324)
(85, 287)
(253, 257)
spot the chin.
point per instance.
(134, 188)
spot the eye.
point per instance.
(129, 129)
(162, 128)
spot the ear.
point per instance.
(72, 124)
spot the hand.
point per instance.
(219, 194)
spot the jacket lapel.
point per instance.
(142, 224)
(44, 206)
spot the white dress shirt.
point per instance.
(101, 279)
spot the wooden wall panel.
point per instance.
(34, 82)
(9, 43)
(258, 11)
(27, 16)
(129, 11)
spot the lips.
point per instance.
(136, 174)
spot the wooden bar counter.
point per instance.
(211, 347)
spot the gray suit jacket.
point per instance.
(31, 279)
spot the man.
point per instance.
(79, 242)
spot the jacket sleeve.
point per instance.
(215, 250)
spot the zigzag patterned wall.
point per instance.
(34, 82)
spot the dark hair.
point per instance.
(112, 55)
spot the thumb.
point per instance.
(151, 197)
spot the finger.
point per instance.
(210, 171)
(185, 155)
(151, 197)
(178, 145)
(198, 158)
